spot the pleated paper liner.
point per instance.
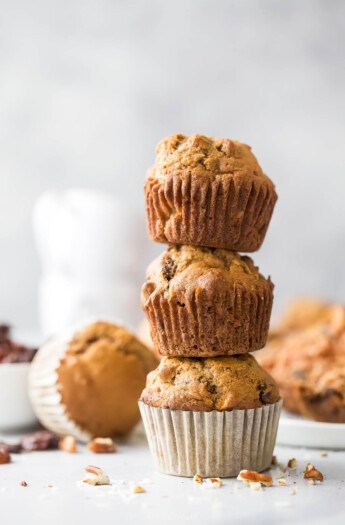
(209, 325)
(213, 444)
(44, 393)
(225, 211)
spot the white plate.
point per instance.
(298, 431)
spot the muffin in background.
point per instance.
(213, 416)
(205, 191)
(301, 313)
(206, 302)
(306, 356)
(88, 383)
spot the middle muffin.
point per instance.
(206, 302)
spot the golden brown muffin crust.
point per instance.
(204, 155)
(182, 269)
(101, 376)
(205, 384)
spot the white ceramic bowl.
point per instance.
(15, 407)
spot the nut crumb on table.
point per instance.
(282, 482)
(292, 463)
(95, 476)
(102, 446)
(312, 474)
(68, 444)
(213, 483)
(198, 478)
(251, 476)
(138, 489)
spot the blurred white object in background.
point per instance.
(15, 407)
(89, 244)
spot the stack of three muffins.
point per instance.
(208, 408)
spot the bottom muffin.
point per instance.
(211, 416)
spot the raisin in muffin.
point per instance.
(309, 366)
(213, 416)
(88, 384)
(206, 302)
(209, 383)
(205, 191)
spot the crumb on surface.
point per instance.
(198, 478)
(292, 463)
(138, 489)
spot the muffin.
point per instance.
(212, 416)
(210, 192)
(309, 367)
(206, 302)
(88, 384)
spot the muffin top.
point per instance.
(205, 156)
(205, 384)
(100, 377)
(183, 269)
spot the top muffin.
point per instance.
(208, 192)
(204, 155)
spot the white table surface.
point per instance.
(167, 499)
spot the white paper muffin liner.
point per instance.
(185, 443)
(44, 394)
(43, 385)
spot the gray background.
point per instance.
(89, 87)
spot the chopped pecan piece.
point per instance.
(102, 446)
(198, 478)
(311, 473)
(138, 489)
(292, 463)
(24, 484)
(251, 476)
(68, 444)
(213, 483)
(95, 476)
